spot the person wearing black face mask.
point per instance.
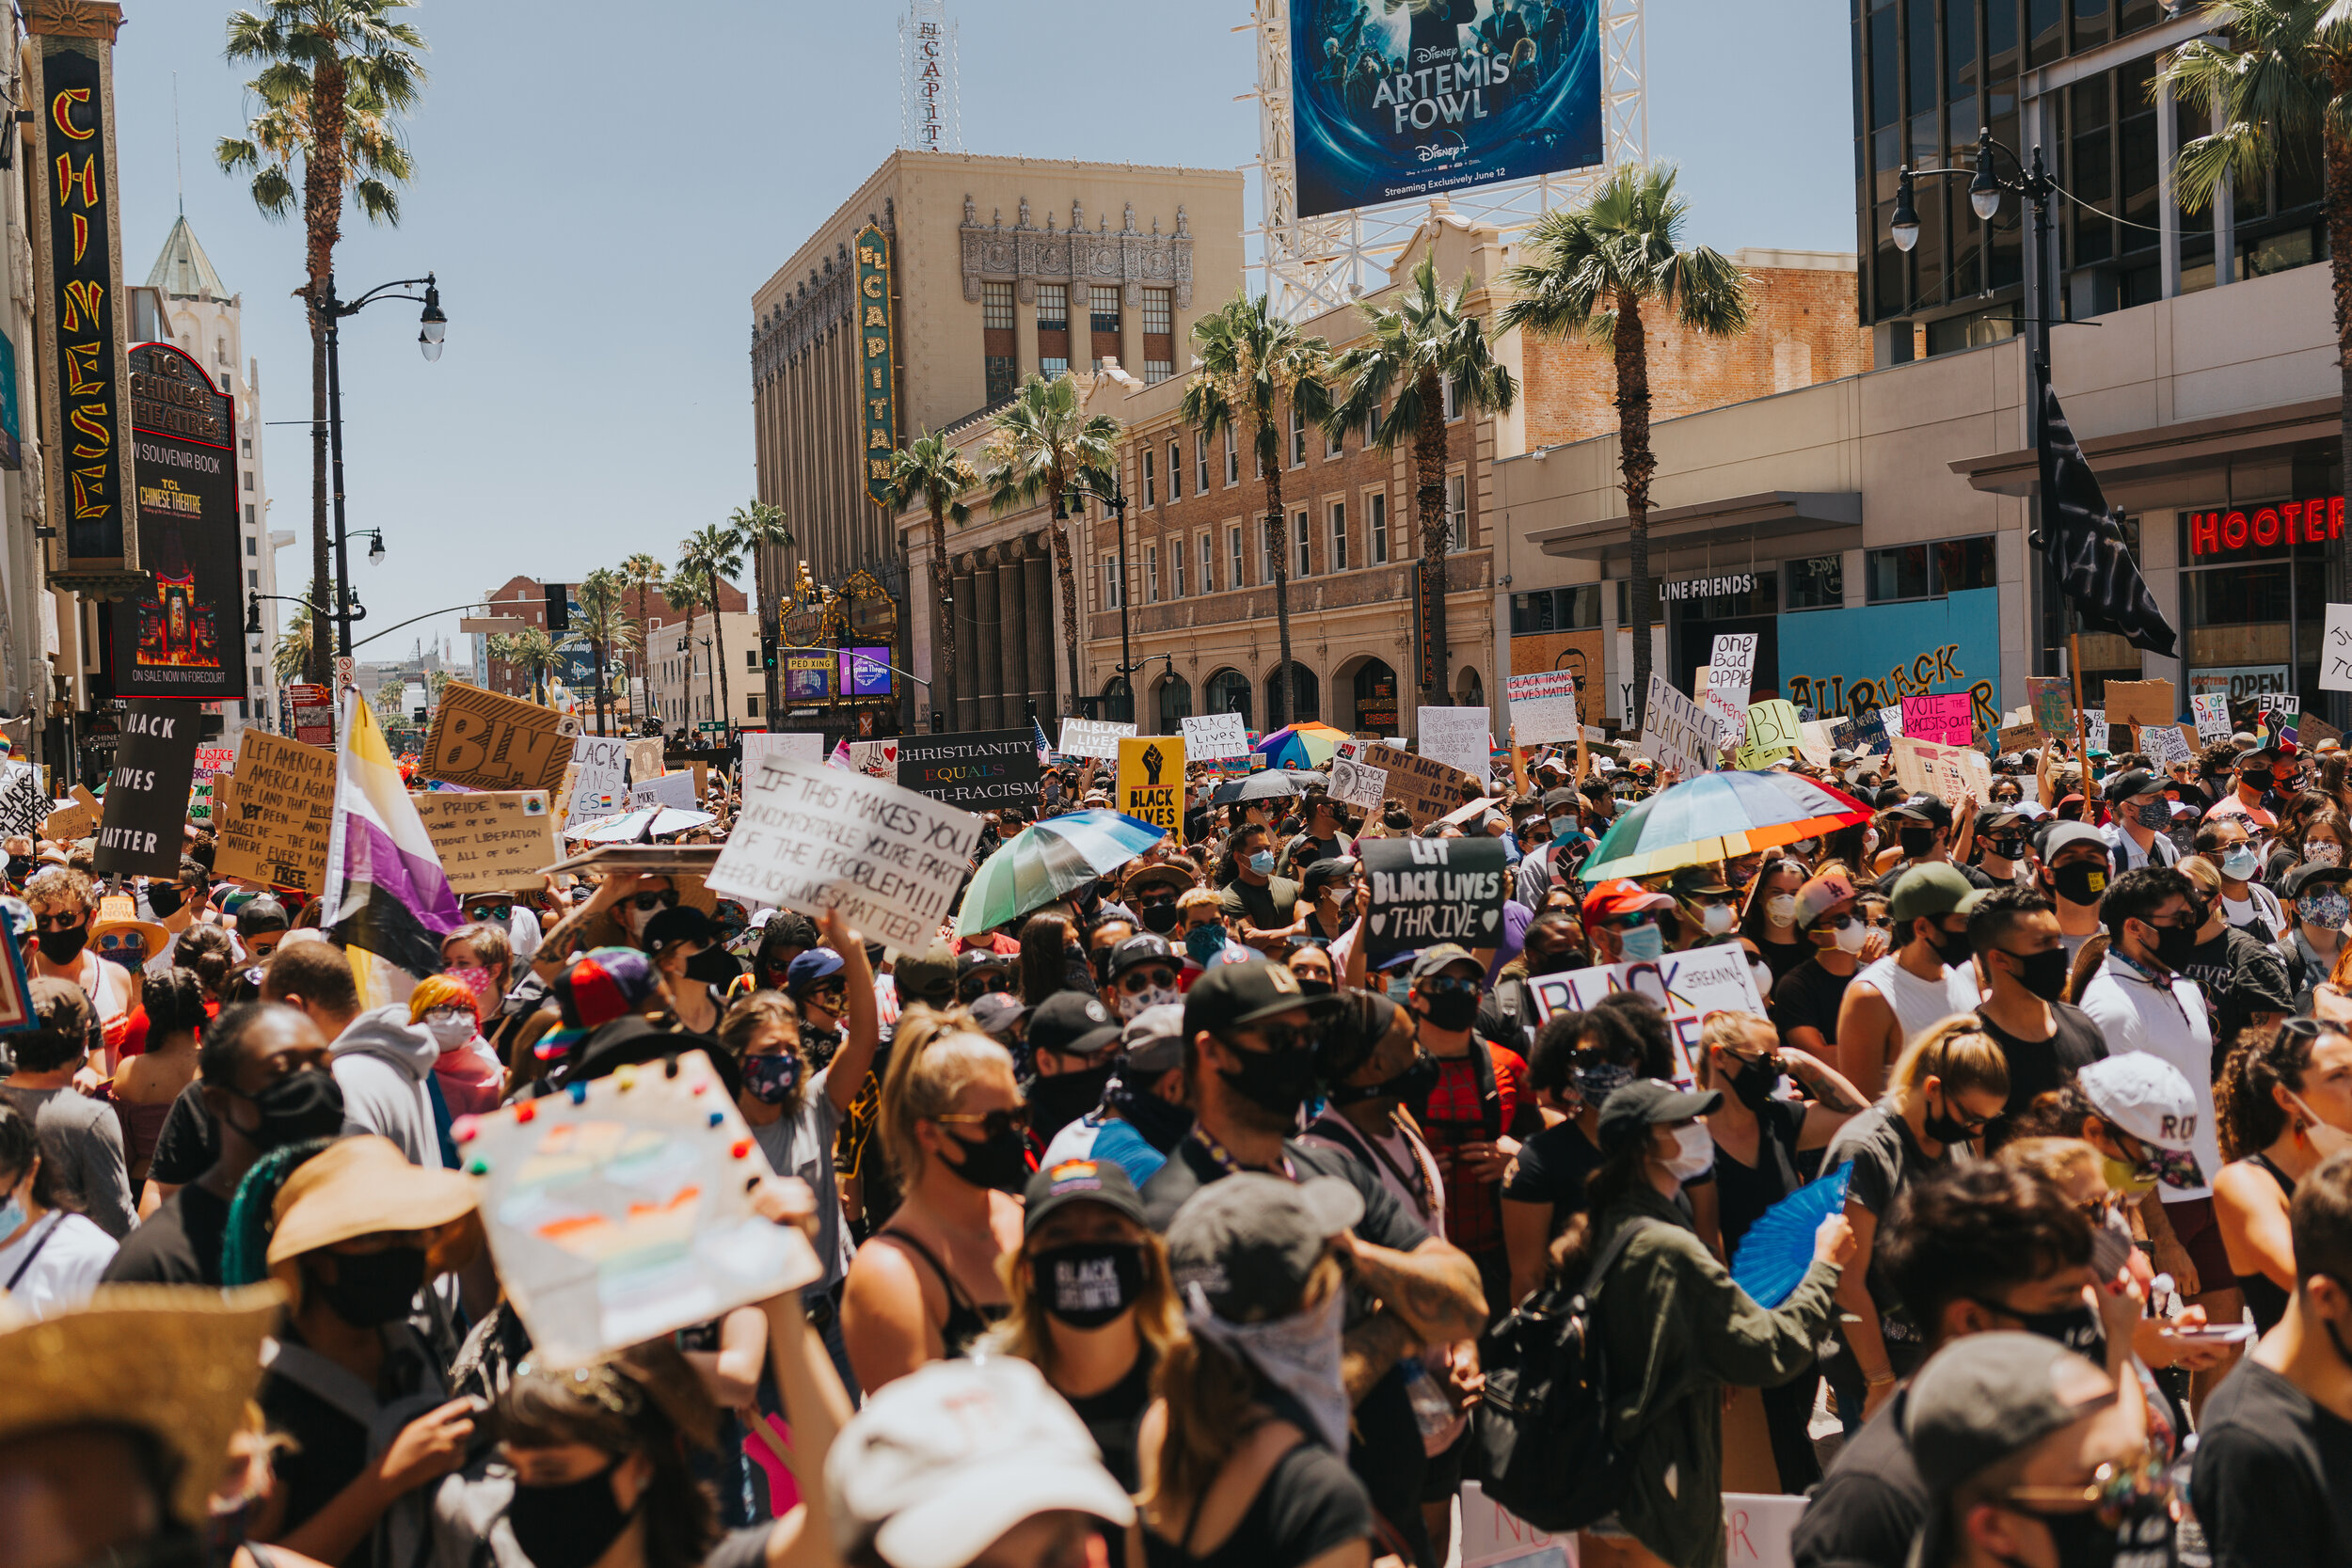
(2015, 934)
(63, 903)
(1924, 830)
(1551, 946)
(352, 1241)
(2244, 979)
(2250, 798)
(1142, 1115)
(1152, 892)
(2003, 845)
(1072, 1037)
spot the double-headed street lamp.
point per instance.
(1117, 503)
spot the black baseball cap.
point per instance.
(1984, 1397)
(1073, 1023)
(997, 1014)
(1230, 995)
(1563, 798)
(2299, 880)
(1250, 1241)
(1628, 1114)
(1144, 947)
(1322, 874)
(2137, 782)
(262, 915)
(1103, 1181)
(1927, 808)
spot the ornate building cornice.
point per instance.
(1025, 255)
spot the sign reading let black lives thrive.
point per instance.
(1426, 891)
(982, 772)
(177, 636)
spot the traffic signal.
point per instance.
(559, 607)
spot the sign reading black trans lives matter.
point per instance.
(986, 770)
(179, 636)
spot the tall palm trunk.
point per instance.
(688, 681)
(597, 650)
(316, 662)
(322, 217)
(1278, 542)
(1639, 465)
(1066, 575)
(1429, 455)
(943, 665)
(644, 657)
(719, 632)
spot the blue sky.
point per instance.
(600, 201)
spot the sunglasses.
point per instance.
(648, 902)
(2112, 1490)
(1449, 985)
(984, 984)
(1135, 981)
(993, 1124)
(492, 911)
(119, 942)
(1281, 1037)
(59, 922)
(1165, 901)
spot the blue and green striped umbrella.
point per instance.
(1719, 817)
(1057, 856)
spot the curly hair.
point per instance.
(2244, 1099)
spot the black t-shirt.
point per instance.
(1309, 1504)
(2273, 1475)
(1268, 907)
(1190, 1167)
(1872, 1503)
(2037, 1067)
(1809, 997)
(178, 1244)
(1744, 1192)
(1115, 1416)
(2240, 975)
(1550, 1169)
(189, 1142)
(1783, 957)
(330, 1447)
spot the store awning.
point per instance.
(2170, 449)
(1769, 514)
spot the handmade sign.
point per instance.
(1152, 781)
(24, 807)
(2281, 714)
(490, 841)
(1946, 772)
(2212, 716)
(1816, 738)
(1458, 738)
(599, 779)
(2096, 729)
(1091, 738)
(486, 742)
(1893, 719)
(1940, 720)
(2141, 703)
(210, 761)
(813, 839)
(671, 789)
(1358, 784)
(1772, 733)
(2335, 650)
(1425, 787)
(980, 771)
(2016, 738)
(1871, 735)
(2166, 744)
(1730, 677)
(274, 828)
(142, 832)
(621, 1215)
(1215, 735)
(876, 757)
(1544, 706)
(644, 754)
(70, 820)
(1426, 891)
(1676, 732)
(2051, 699)
(1686, 986)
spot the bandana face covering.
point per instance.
(1299, 1354)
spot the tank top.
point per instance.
(2264, 1298)
(967, 1319)
(1920, 1004)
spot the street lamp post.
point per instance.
(432, 327)
(711, 678)
(1117, 503)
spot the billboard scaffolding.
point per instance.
(1309, 260)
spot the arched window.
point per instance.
(1175, 702)
(1469, 692)
(1119, 701)
(1229, 692)
(1305, 703)
(1375, 699)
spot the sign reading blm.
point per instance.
(1402, 99)
(177, 636)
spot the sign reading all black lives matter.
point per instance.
(1426, 891)
(812, 838)
(981, 771)
(146, 795)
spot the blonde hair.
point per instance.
(1958, 1052)
(439, 990)
(1725, 1028)
(2056, 1161)
(1198, 897)
(930, 1070)
(55, 884)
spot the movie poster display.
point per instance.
(180, 635)
(1402, 99)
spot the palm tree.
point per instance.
(335, 77)
(642, 573)
(1414, 353)
(290, 659)
(531, 651)
(1254, 367)
(755, 527)
(1041, 446)
(935, 473)
(1595, 266)
(712, 554)
(602, 626)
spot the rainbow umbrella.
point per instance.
(1308, 745)
(1719, 817)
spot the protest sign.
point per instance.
(1773, 730)
(1151, 782)
(23, 805)
(2166, 744)
(671, 789)
(143, 832)
(2282, 715)
(1544, 706)
(1893, 719)
(1358, 784)
(980, 770)
(2051, 699)
(813, 839)
(2096, 729)
(1940, 720)
(1871, 736)
(490, 841)
(2017, 738)
(2140, 703)
(1211, 736)
(313, 711)
(644, 755)
(1091, 738)
(2335, 650)
(623, 1215)
(486, 742)
(1816, 738)
(2212, 716)
(877, 757)
(1946, 772)
(275, 829)
(1687, 986)
(599, 779)
(1426, 891)
(1425, 787)
(1676, 732)
(1458, 738)
(1724, 688)
(209, 760)
(76, 819)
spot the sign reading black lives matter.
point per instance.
(146, 795)
(811, 837)
(985, 771)
(180, 636)
(1426, 891)
(23, 805)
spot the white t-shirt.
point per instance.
(1921, 1004)
(60, 1258)
(2169, 1021)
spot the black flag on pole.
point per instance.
(2085, 544)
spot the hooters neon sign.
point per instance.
(2317, 521)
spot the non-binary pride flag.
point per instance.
(386, 893)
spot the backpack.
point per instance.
(1539, 1436)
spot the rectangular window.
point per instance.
(1930, 571)
(1159, 337)
(249, 514)
(1338, 536)
(751, 706)
(1208, 564)
(1298, 439)
(1378, 516)
(1306, 557)
(996, 306)
(751, 658)
(1151, 574)
(1232, 459)
(248, 480)
(1112, 588)
(1157, 370)
(1052, 365)
(1232, 539)
(253, 579)
(1452, 400)
(1147, 500)
(1159, 312)
(252, 547)
(1052, 328)
(1200, 463)
(997, 341)
(1457, 513)
(1333, 446)
(1176, 559)
(1175, 472)
(1556, 609)
(1003, 379)
(1104, 308)
(1266, 550)
(1816, 582)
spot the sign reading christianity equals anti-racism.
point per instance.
(146, 795)
(813, 839)
(1426, 891)
(984, 771)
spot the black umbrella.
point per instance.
(1273, 784)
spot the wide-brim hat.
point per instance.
(176, 1362)
(359, 1186)
(117, 911)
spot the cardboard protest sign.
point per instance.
(813, 839)
(1940, 720)
(1772, 733)
(486, 742)
(1091, 738)
(1358, 784)
(1211, 736)
(671, 789)
(2096, 729)
(143, 832)
(2140, 703)
(1152, 781)
(1544, 706)
(980, 771)
(275, 825)
(2017, 738)
(1686, 986)
(644, 754)
(2051, 699)
(599, 779)
(1458, 738)
(76, 819)
(1426, 891)
(1870, 736)
(2212, 716)
(1946, 772)
(2166, 744)
(490, 841)
(1816, 739)
(1425, 787)
(24, 807)
(1677, 733)
(623, 1216)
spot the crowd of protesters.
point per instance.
(1163, 1224)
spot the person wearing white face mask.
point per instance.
(1770, 924)
(1804, 1005)
(2226, 841)
(2285, 1104)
